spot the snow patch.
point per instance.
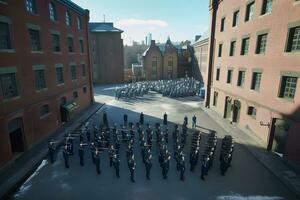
(27, 184)
(192, 104)
(239, 197)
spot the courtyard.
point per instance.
(247, 178)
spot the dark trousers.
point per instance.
(98, 169)
(67, 163)
(132, 175)
(81, 161)
(110, 161)
(51, 155)
(182, 175)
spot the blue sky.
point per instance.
(179, 19)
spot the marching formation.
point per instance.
(172, 88)
(147, 139)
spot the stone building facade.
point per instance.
(107, 53)
(163, 61)
(44, 70)
(255, 69)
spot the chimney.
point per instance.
(197, 37)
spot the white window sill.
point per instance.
(61, 84)
(74, 80)
(37, 52)
(45, 116)
(72, 53)
(57, 52)
(7, 51)
(12, 99)
(42, 90)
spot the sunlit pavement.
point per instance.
(246, 179)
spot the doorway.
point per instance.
(15, 130)
(227, 110)
(236, 110)
(278, 136)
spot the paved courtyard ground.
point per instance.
(246, 179)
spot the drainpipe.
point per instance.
(89, 56)
(213, 7)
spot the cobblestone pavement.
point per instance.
(246, 179)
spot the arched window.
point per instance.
(52, 11)
(31, 6)
(68, 18)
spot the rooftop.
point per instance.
(97, 27)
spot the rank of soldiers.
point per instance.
(106, 138)
(172, 88)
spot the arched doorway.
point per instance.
(15, 130)
(236, 110)
(228, 106)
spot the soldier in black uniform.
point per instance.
(204, 167)
(66, 154)
(167, 135)
(194, 121)
(81, 154)
(105, 121)
(148, 165)
(51, 151)
(93, 149)
(165, 119)
(182, 167)
(88, 134)
(97, 161)
(185, 120)
(131, 165)
(116, 163)
(111, 153)
(125, 117)
(166, 165)
(142, 118)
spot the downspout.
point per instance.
(89, 57)
(214, 7)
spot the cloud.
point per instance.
(140, 22)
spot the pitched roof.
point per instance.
(99, 27)
(73, 6)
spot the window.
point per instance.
(40, 82)
(154, 67)
(241, 78)
(44, 110)
(215, 100)
(251, 111)
(229, 76)
(83, 68)
(218, 74)
(52, 11)
(31, 6)
(55, 42)
(293, 39)
(59, 75)
(236, 16)
(266, 6)
(75, 94)
(288, 87)
(4, 36)
(35, 40)
(8, 85)
(261, 44)
(232, 48)
(68, 18)
(249, 11)
(222, 24)
(220, 50)
(84, 90)
(79, 24)
(73, 72)
(245, 46)
(81, 46)
(256, 79)
(70, 44)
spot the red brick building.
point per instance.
(107, 53)
(254, 67)
(45, 75)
